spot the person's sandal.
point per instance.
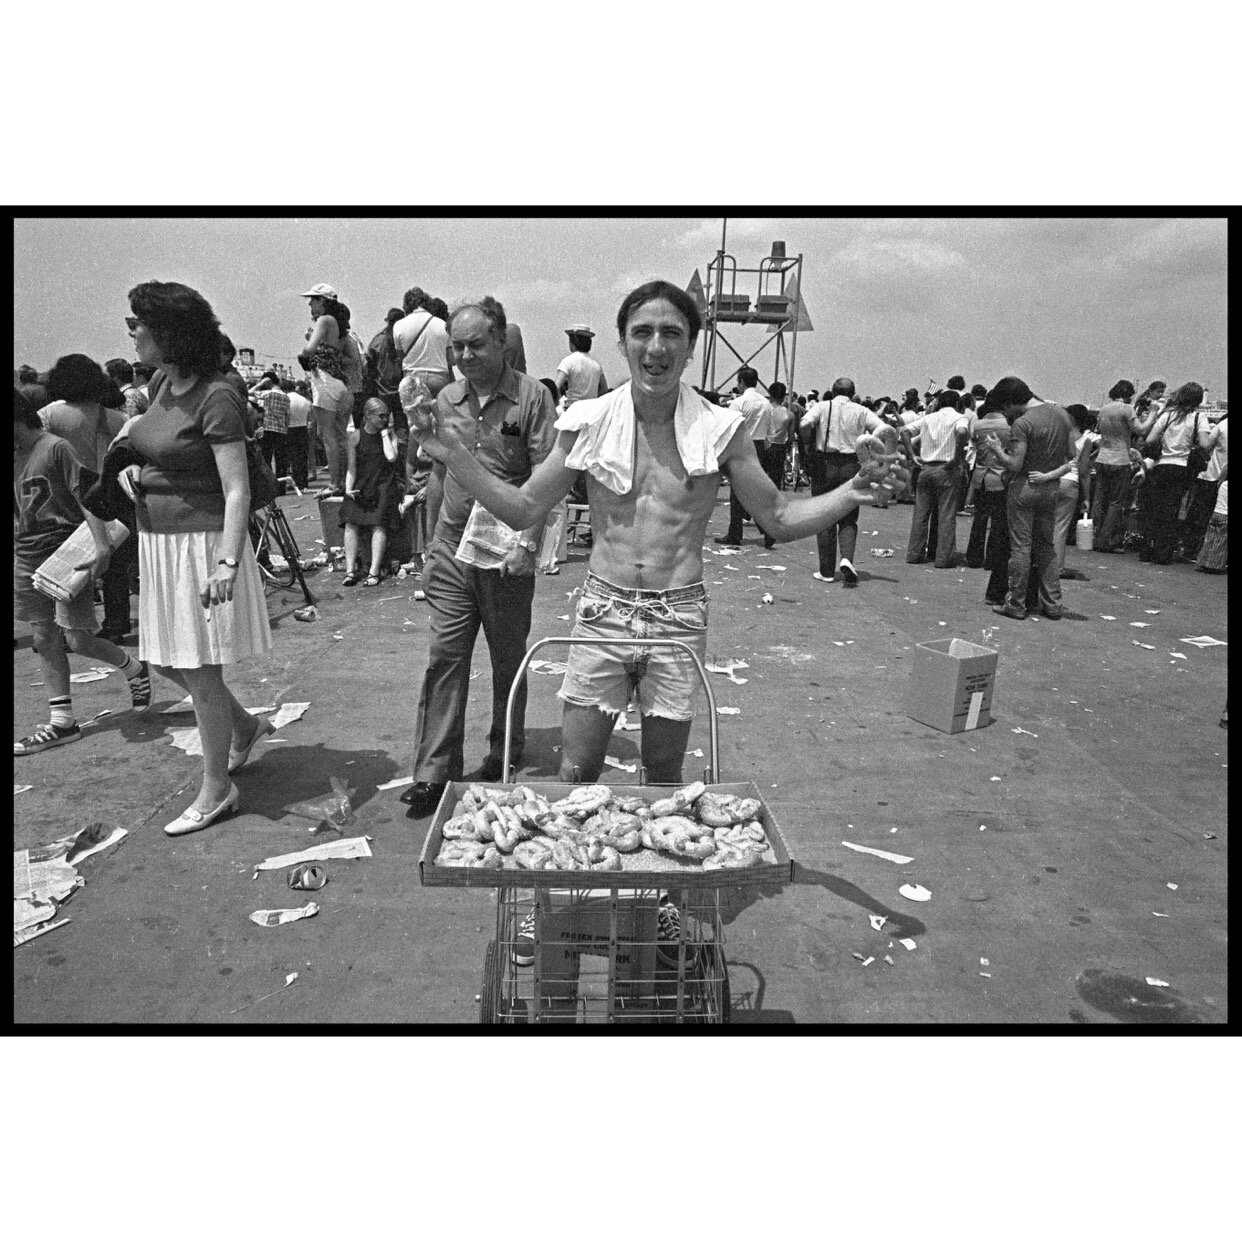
(352, 578)
(371, 580)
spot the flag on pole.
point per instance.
(696, 291)
(794, 294)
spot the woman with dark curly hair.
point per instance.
(324, 359)
(201, 603)
(86, 408)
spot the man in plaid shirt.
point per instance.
(269, 396)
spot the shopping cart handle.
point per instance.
(712, 773)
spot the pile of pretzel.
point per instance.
(591, 827)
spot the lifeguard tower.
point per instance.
(767, 296)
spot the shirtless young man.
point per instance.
(653, 451)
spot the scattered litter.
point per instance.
(396, 784)
(1179, 655)
(288, 980)
(45, 875)
(1152, 612)
(621, 767)
(308, 876)
(22, 789)
(177, 709)
(983, 974)
(563, 618)
(734, 568)
(388, 599)
(546, 666)
(1156, 983)
(1172, 886)
(779, 569)
(1157, 915)
(983, 827)
(1207, 836)
(909, 943)
(336, 638)
(767, 598)
(727, 667)
(626, 725)
(942, 623)
(892, 830)
(419, 595)
(309, 613)
(866, 961)
(29, 933)
(353, 847)
(728, 711)
(881, 551)
(333, 811)
(900, 859)
(889, 960)
(1027, 732)
(877, 921)
(1145, 646)
(983, 961)
(993, 778)
(187, 740)
(94, 675)
(289, 712)
(1204, 641)
(756, 577)
(1140, 625)
(697, 753)
(915, 892)
(1106, 618)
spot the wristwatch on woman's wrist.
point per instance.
(230, 561)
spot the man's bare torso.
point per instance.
(651, 538)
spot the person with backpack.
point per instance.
(422, 339)
(384, 372)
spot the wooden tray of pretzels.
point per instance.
(551, 834)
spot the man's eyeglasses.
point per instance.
(131, 322)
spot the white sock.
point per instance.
(62, 712)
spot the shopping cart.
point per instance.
(608, 946)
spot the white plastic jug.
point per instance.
(1086, 535)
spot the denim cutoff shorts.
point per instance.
(661, 680)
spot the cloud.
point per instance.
(539, 292)
(707, 232)
(635, 277)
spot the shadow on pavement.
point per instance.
(287, 774)
(747, 1002)
(903, 924)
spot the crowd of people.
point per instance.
(437, 416)
(1147, 473)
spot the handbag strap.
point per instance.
(417, 334)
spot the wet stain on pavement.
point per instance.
(1077, 1015)
(1132, 1000)
(1079, 920)
(57, 961)
(225, 970)
(1051, 870)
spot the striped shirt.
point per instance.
(937, 442)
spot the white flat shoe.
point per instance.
(820, 577)
(191, 820)
(239, 758)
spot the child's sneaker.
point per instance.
(668, 931)
(46, 737)
(524, 945)
(140, 689)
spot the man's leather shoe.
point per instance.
(423, 798)
(1049, 615)
(1005, 611)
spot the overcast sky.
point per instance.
(1071, 305)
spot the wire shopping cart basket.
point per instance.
(640, 942)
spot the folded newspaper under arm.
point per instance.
(486, 541)
(58, 578)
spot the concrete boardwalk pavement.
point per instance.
(1053, 853)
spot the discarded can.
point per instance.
(310, 613)
(307, 876)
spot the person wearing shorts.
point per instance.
(652, 452)
(47, 495)
(661, 681)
